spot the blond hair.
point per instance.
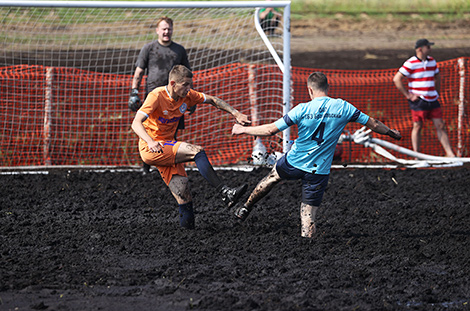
(166, 19)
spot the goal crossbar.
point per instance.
(148, 4)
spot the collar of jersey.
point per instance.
(427, 58)
(169, 95)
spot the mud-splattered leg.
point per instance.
(179, 187)
(263, 188)
(307, 218)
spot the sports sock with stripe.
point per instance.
(206, 170)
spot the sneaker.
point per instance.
(242, 212)
(230, 196)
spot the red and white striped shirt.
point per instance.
(420, 76)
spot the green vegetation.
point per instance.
(428, 9)
(374, 7)
(438, 10)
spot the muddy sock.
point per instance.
(206, 170)
(186, 215)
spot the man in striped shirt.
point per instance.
(423, 93)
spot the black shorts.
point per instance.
(313, 185)
(422, 104)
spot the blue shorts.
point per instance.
(313, 185)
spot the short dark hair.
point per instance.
(179, 72)
(318, 81)
(166, 19)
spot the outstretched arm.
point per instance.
(222, 105)
(260, 130)
(378, 127)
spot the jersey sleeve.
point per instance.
(356, 115)
(281, 124)
(437, 69)
(196, 98)
(143, 58)
(149, 105)
(405, 69)
(362, 118)
(288, 120)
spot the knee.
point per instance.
(417, 126)
(179, 187)
(195, 149)
(440, 126)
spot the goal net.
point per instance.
(66, 71)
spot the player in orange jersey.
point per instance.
(156, 122)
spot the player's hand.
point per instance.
(155, 146)
(394, 134)
(134, 100)
(413, 97)
(242, 119)
(192, 109)
(237, 129)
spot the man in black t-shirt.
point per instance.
(157, 58)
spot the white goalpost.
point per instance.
(66, 69)
(362, 137)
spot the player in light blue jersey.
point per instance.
(320, 123)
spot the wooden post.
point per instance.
(47, 116)
(461, 115)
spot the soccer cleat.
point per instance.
(145, 169)
(242, 212)
(230, 196)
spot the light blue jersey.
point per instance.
(320, 123)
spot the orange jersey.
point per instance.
(163, 113)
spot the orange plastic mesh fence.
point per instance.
(67, 116)
(211, 128)
(78, 127)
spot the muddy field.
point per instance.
(387, 240)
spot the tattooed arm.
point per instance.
(222, 105)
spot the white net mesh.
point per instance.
(66, 76)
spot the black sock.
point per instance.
(206, 170)
(186, 215)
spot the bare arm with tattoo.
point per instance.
(222, 105)
(137, 79)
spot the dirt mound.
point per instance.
(371, 43)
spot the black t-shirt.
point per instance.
(158, 60)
